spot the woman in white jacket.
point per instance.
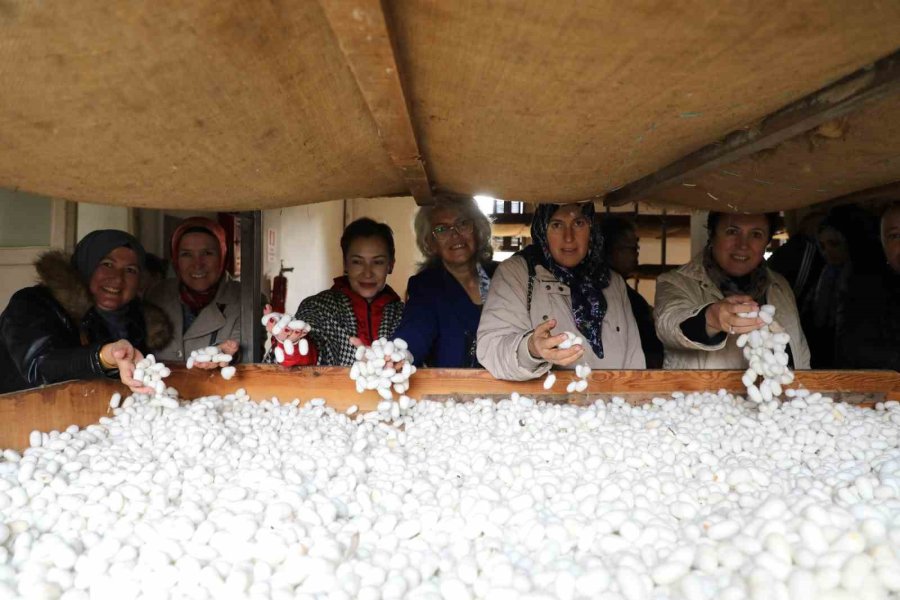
(559, 283)
(698, 306)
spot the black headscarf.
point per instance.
(586, 281)
(88, 253)
(97, 244)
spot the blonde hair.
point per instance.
(467, 208)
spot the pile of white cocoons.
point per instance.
(698, 496)
(385, 365)
(766, 352)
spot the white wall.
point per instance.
(309, 240)
(92, 217)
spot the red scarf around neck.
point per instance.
(194, 300)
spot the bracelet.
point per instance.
(103, 363)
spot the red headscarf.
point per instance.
(194, 300)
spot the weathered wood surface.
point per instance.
(84, 402)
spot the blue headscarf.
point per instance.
(587, 280)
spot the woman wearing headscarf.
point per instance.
(699, 305)
(202, 302)
(560, 283)
(83, 319)
(440, 321)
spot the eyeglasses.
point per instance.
(461, 227)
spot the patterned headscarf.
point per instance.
(586, 281)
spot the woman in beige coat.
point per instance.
(203, 303)
(559, 283)
(698, 306)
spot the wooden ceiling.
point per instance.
(232, 105)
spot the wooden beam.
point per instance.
(84, 402)
(362, 32)
(836, 100)
(869, 197)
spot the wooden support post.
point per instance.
(361, 29)
(251, 287)
(836, 100)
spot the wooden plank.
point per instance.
(363, 35)
(84, 402)
(836, 100)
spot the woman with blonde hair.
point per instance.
(440, 321)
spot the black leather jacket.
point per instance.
(43, 344)
(51, 332)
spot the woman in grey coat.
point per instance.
(559, 283)
(699, 306)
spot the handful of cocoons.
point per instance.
(384, 366)
(213, 355)
(287, 323)
(766, 351)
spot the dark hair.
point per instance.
(613, 227)
(156, 265)
(859, 228)
(364, 228)
(712, 221)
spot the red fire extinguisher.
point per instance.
(279, 289)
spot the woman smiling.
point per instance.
(83, 320)
(699, 306)
(440, 321)
(360, 306)
(202, 301)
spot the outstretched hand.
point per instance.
(124, 355)
(544, 345)
(724, 316)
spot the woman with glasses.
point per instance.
(558, 284)
(445, 297)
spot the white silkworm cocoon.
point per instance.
(281, 324)
(228, 372)
(352, 409)
(570, 389)
(288, 347)
(204, 358)
(223, 358)
(271, 317)
(115, 400)
(279, 354)
(581, 385)
(550, 380)
(303, 345)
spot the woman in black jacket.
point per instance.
(83, 320)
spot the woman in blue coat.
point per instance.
(440, 321)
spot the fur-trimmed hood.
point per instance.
(56, 273)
